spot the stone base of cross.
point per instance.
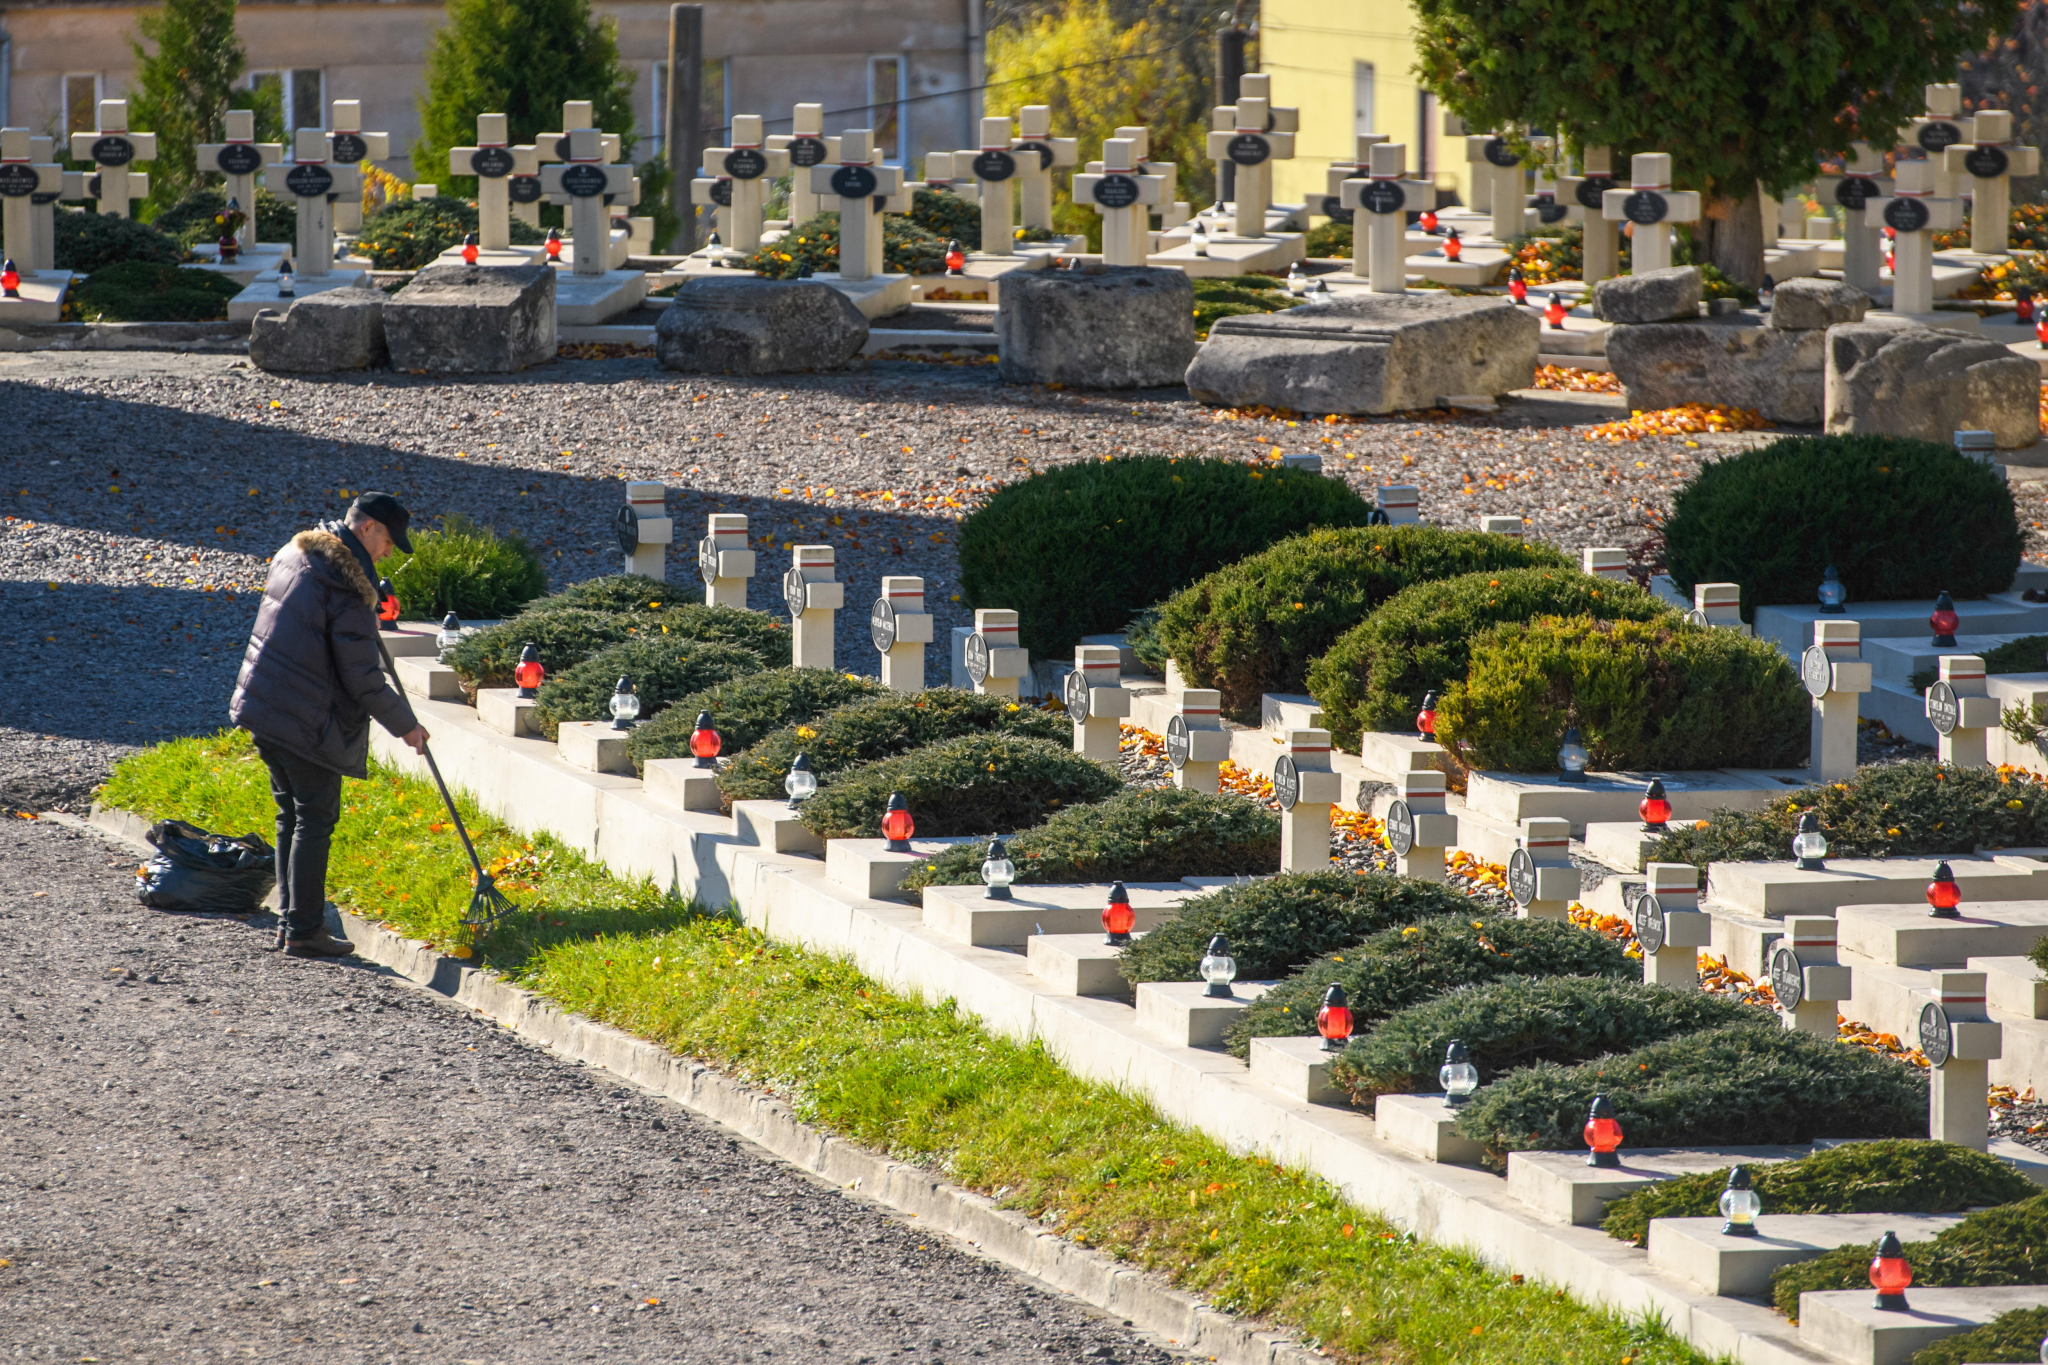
(1962, 710)
(863, 189)
(747, 166)
(240, 158)
(1123, 195)
(494, 161)
(1306, 789)
(1601, 253)
(1956, 1027)
(1096, 701)
(583, 183)
(716, 192)
(1493, 160)
(1648, 204)
(1836, 675)
(1863, 180)
(1421, 831)
(1196, 742)
(1038, 155)
(348, 148)
(112, 150)
(1544, 884)
(1258, 135)
(21, 180)
(1914, 214)
(1680, 929)
(1990, 162)
(814, 595)
(1380, 204)
(996, 664)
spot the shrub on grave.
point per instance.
(977, 784)
(1231, 296)
(1656, 694)
(2013, 1336)
(612, 592)
(1898, 1176)
(144, 291)
(662, 667)
(1754, 1084)
(1899, 810)
(409, 234)
(1897, 518)
(191, 220)
(2003, 1245)
(566, 636)
(86, 242)
(1256, 625)
(947, 216)
(1523, 1021)
(1420, 640)
(1278, 923)
(1329, 238)
(1141, 834)
(748, 708)
(1399, 968)
(908, 248)
(1076, 550)
(875, 728)
(468, 569)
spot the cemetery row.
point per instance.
(1482, 1067)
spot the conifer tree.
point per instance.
(183, 86)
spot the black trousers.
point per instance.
(308, 800)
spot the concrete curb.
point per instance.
(1147, 1300)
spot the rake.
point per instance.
(487, 905)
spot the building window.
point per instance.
(301, 96)
(888, 87)
(81, 103)
(1361, 97)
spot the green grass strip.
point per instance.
(922, 1082)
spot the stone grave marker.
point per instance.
(1493, 160)
(1605, 562)
(996, 665)
(995, 171)
(1356, 167)
(43, 204)
(1096, 700)
(862, 187)
(1123, 194)
(1542, 881)
(1419, 829)
(576, 114)
(1196, 742)
(747, 166)
(806, 146)
(1959, 1039)
(1914, 213)
(21, 179)
(241, 158)
(645, 529)
(1835, 675)
(1962, 710)
(941, 172)
(1038, 155)
(1306, 787)
(494, 161)
(1503, 526)
(1601, 252)
(1172, 212)
(348, 147)
(1381, 203)
(584, 182)
(1806, 975)
(814, 596)
(114, 152)
(1943, 126)
(1649, 203)
(1256, 136)
(724, 562)
(1990, 162)
(901, 628)
(311, 182)
(1398, 504)
(1670, 925)
(1718, 605)
(1862, 181)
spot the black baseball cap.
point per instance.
(386, 509)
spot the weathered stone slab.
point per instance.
(1918, 382)
(747, 325)
(340, 329)
(1652, 296)
(473, 319)
(1733, 359)
(1117, 327)
(1809, 303)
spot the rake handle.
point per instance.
(453, 814)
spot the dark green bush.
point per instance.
(1141, 633)
(564, 638)
(1645, 695)
(1256, 625)
(977, 784)
(1750, 1084)
(1420, 639)
(1329, 238)
(468, 569)
(1397, 968)
(1521, 1021)
(876, 728)
(2012, 1336)
(190, 220)
(1899, 810)
(908, 248)
(1229, 296)
(1277, 923)
(745, 709)
(947, 216)
(1773, 518)
(1075, 550)
(88, 242)
(409, 233)
(614, 592)
(662, 667)
(1908, 1175)
(1142, 834)
(2003, 1245)
(144, 291)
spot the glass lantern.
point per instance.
(1200, 239)
(1219, 968)
(469, 249)
(1765, 292)
(1427, 222)
(1889, 1274)
(10, 280)
(450, 636)
(1118, 917)
(1603, 1133)
(1572, 756)
(529, 674)
(1425, 719)
(1943, 895)
(1333, 1020)
(897, 824)
(387, 605)
(625, 704)
(997, 871)
(554, 244)
(285, 279)
(1297, 279)
(802, 783)
(1655, 808)
(1555, 313)
(1943, 621)
(1740, 1204)
(704, 741)
(1457, 1075)
(1809, 845)
(1833, 594)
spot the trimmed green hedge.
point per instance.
(1898, 518)
(567, 635)
(1907, 1175)
(1142, 834)
(1277, 923)
(876, 728)
(1646, 695)
(1898, 810)
(147, 291)
(977, 784)
(468, 569)
(1397, 968)
(662, 668)
(748, 708)
(2003, 1245)
(1420, 640)
(1523, 1021)
(1256, 625)
(2014, 1336)
(613, 592)
(1750, 1084)
(86, 242)
(908, 248)
(190, 220)
(1077, 549)
(409, 234)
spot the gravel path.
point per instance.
(211, 1151)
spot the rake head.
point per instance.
(487, 905)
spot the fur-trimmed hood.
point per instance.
(329, 549)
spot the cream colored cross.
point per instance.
(348, 147)
(995, 169)
(1123, 194)
(1943, 126)
(1380, 203)
(21, 179)
(240, 157)
(1914, 213)
(112, 150)
(1601, 253)
(585, 183)
(1649, 202)
(1034, 172)
(1493, 160)
(747, 165)
(493, 161)
(311, 182)
(1258, 134)
(854, 184)
(1863, 179)
(1991, 160)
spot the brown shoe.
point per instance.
(322, 944)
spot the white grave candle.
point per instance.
(1495, 162)
(1961, 709)
(1959, 1038)
(583, 182)
(1418, 828)
(240, 158)
(724, 562)
(1096, 700)
(112, 151)
(645, 529)
(1990, 162)
(1122, 194)
(1807, 976)
(1835, 675)
(1601, 253)
(1038, 154)
(1862, 182)
(814, 597)
(854, 185)
(1649, 204)
(493, 161)
(1674, 921)
(996, 664)
(995, 170)
(21, 179)
(348, 148)
(1943, 126)
(311, 183)
(901, 628)
(1914, 214)
(747, 166)
(1380, 203)
(1542, 881)
(1196, 742)
(1306, 788)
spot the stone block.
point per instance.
(1696, 1249)
(962, 913)
(472, 319)
(1078, 964)
(594, 746)
(1367, 353)
(774, 826)
(1813, 303)
(1184, 1013)
(1908, 936)
(747, 325)
(1927, 384)
(1424, 1125)
(866, 867)
(1298, 1068)
(1784, 888)
(1122, 327)
(1652, 296)
(1562, 1187)
(2013, 985)
(1847, 1325)
(680, 782)
(504, 710)
(426, 678)
(340, 329)
(1621, 844)
(410, 642)
(1736, 360)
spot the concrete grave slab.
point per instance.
(1078, 964)
(1426, 1126)
(502, 709)
(1610, 797)
(595, 746)
(423, 677)
(1790, 628)
(682, 784)
(262, 292)
(962, 913)
(1776, 889)
(1183, 1012)
(1563, 1188)
(774, 826)
(1847, 1325)
(1696, 1249)
(2013, 985)
(1909, 936)
(1298, 1068)
(866, 867)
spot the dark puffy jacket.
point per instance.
(313, 677)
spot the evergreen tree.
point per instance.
(183, 87)
(524, 59)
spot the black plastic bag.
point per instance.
(195, 870)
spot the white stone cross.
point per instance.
(1601, 252)
(493, 161)
(1962, 701)
(1719, 605)
(1171, 213)
(806, 146)
(21, 179)
(995, 171)
(1547, 840)
(724, 562)
(43, 205)
(901, 628)
(1685, 927)
(716, 191)
(1337, 172)
(814, 596)
(240, 157)
(112, 150)
(1649, 202)
(1823, 981)
(653, 528)
(1257, 135)
(1431, 831)
(1123, 194)
(749, 164)
(1991, 161)
(584, 182)
(1972, 1039)
(1096, 700)
(1034, 172)
(1306, 787)
(1863, 179)
(311, 182)
(1380, 204)
(942, 172)
(1835, 674)
(348, 147)
(856, 185)
(575, 114)
(1943, 126)
(1914, 214)
(1199, 727)
(1494, 161)
(996, 664)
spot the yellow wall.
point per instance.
(1312, 48)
